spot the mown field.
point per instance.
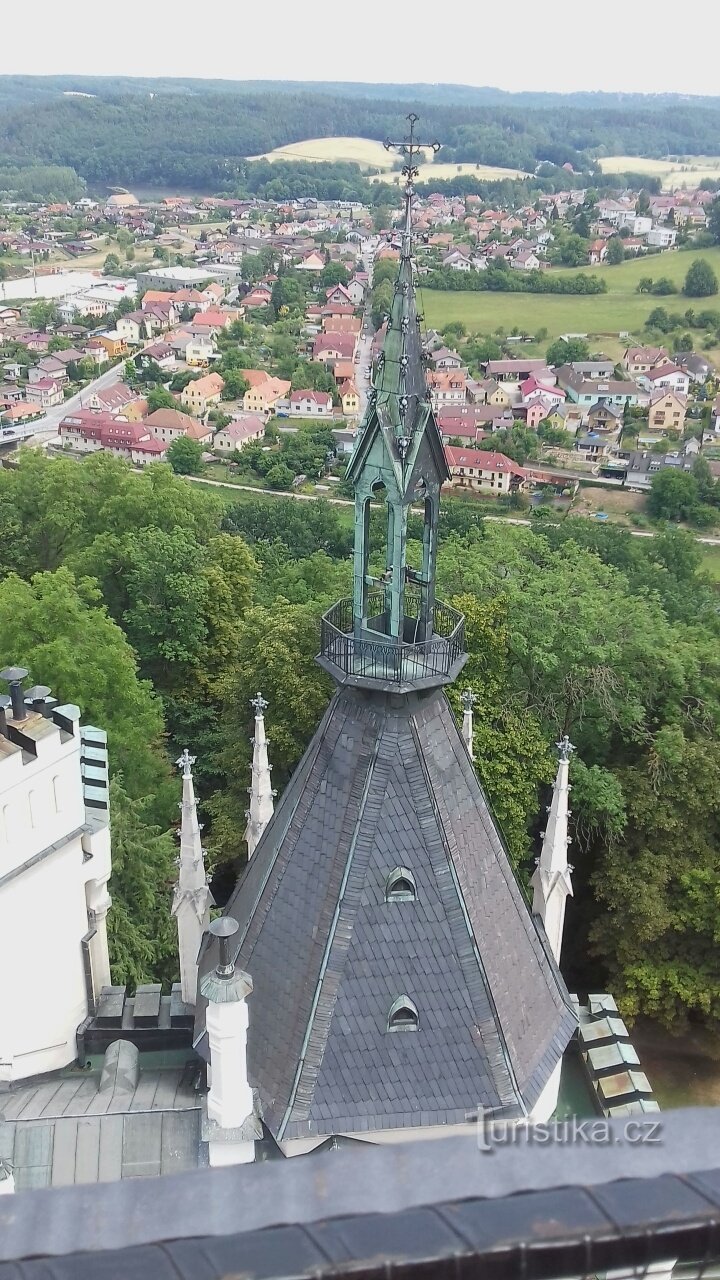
(675, 174)
(621, 309)
(372, 155)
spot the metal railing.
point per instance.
(375, 656)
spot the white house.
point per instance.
(662, 237)
(665, 376)
(55, 861)
(310, 404)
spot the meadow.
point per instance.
(685, 171)
(620, 310)
(371, 155)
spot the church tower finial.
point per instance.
(192, 898)
(394, 634)
(551, 880)
(261, 792)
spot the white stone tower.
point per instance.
(192, 898)
(54, 869)
(261, 792)
(551, 880)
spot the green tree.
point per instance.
(279, 476)
(713, 220)
(160, 398)
(58, 628)
(700, 281)
(142, 937)
(673, 495)
(43, 314)
(111, 266)
(564, 351)
(185, 456)
(615, 251)
(235, 385)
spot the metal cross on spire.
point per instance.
(410, 148)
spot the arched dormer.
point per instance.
(403, 1015)
(400, 886)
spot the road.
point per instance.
(45, 429)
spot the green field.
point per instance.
(620, 309)
(684, 172)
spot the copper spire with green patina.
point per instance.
(393, 632)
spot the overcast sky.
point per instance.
(556, 45)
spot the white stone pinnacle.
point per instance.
(551, 879)
(261, 793)
(192, 898)
(468, 701)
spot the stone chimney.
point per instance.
(232, 1126)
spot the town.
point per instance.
(255, 348)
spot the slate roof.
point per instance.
(387, 782)
(64, 1128)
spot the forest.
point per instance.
(161, 610)
(200, 139)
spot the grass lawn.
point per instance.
(370, 154)
(711, 562)
(620, 309)
(675, 174)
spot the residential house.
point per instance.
(343, 371)
(597, 251)
(244, 429)
(199, 351)
(344, 442)
(444, 358)
(533, 389)
(458, 259)
(338, 293)
(10, 393)
(129, 440)
(665, 375)
(342, 324)
(490, 473)
(24, 411)
(597, 445)
(697, 367)
(662, 237)
(48, 367)
(215, 319)
(592, 368)
(170, 424)
(349, 398)
(334, 346)
(46, 393)
(202, 394)
(134, 327)
(263, 392)
(9, 316)
(82, 429)
(118, 400)
(644, 464)
(525, 260)
(160, 353)
(641, 359)
(667, 411)
(605, 416)
(447, 387)
(310, 404)
(356, 291)
(312, 261)
(585, 391)
(114, 344)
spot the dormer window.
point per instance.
(403, 1015)
(400, 886)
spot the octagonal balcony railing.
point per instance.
(372, 659)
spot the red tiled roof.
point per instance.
(459, 457)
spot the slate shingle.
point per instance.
(387, 782)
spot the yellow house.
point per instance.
(500, 396)
(264, 392)
(667, 411)
(349, 398)
(197, 397)
(114, 343)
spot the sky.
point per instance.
(557, 45)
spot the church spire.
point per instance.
(394, 634)
(261, 792)
(192, 898)
(551, 880)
